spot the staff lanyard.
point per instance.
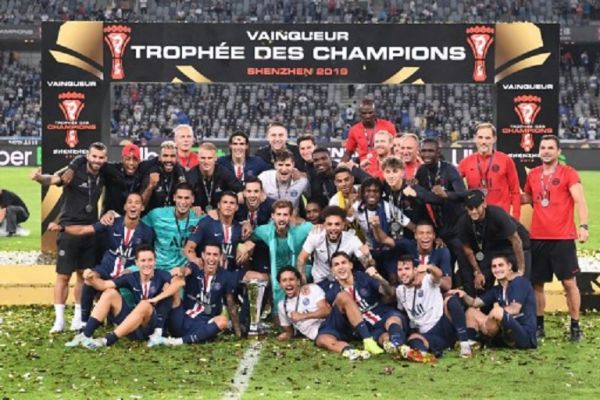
(483, 176)
(285, 310)
(437, 176)
(336, 249)
(546, 189)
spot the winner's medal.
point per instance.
(479, 256)
(396, 228)
(545, 202)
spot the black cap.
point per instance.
(474, 198)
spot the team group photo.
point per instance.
(299, 199)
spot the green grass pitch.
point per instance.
(34, 365)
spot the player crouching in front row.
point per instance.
(512, 319)
(152, 291)
(437, 323)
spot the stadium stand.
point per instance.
(567, 12)
(146, 113)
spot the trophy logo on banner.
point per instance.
(480, 38)
(527, 108)
(71, 104)
(117, 37)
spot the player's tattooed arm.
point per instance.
(386, 290)
(468, 300)
(367, 260)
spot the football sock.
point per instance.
(91, 326)
(363, 330)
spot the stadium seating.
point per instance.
(148, 112)
(566, 12)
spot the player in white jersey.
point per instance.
(436, 323)
(323, 243)
(279, 183)
(303, 309)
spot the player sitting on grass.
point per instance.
(358, 306)
(512, 320)
(437, 322)
(122, 238)
(197, 318)
(145, 319)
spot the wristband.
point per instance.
(584, 226)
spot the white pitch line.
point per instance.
(242, 376)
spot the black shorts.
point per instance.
(74, 253)
(548, 257)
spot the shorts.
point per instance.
(384, 312)
(180, 324)
(515, 335)
(441, 336)
(74, 253)
(337, 325)
(141, 333)
(548, 257)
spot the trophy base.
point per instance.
(257, 331)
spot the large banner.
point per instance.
(81, 59)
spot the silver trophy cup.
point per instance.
(256, 293)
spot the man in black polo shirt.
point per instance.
(441, 187)
(81, 191)
(121, 178)
(160, 176)
(13, 211)
(277, 136)
(209, 180)
(485, 232)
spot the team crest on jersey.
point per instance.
(294, 193)
(420, 293)
(495, 168)
(217, 285)
(555, 181)
(363, 292)
(305, 301)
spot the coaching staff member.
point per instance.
(554, 190)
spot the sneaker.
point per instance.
(372, 347)
(76, 325)
(93, 344)
(351, 354)
(391, 347)
(157, 341)
(465, 350)
(540, 333)
(76, 341)
(57, 327)
(415, 355)
(576, 335)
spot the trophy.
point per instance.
(256, 293)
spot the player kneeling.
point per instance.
(197, 318)
(152, 292)
(512, 320)
(438, 323)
